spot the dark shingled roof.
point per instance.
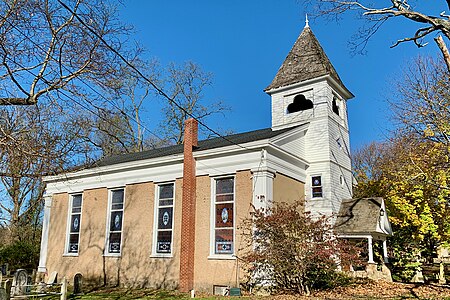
(359, 215)
(305, 61)
(239, 138)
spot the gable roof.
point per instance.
(305, 61)
(212, 143)
(363, 215)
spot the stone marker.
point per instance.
(441, 274)
(77, 283)
(52, 278)
(7, 287)
(20, 281)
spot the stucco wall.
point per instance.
(209, 271)
(135, 267)
(92, 236)
(288, 190)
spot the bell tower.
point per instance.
(308, 90)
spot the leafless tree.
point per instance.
(33, 142)
(45, 49)
(377, 13)
(133, 97)
(185, 85)
(422, 100)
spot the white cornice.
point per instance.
(211, 162)
(295, 130)
(127, 166)
(297, 85)
(340, 88)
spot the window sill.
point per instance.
(113, 255)
(222, 257)
(70, 255)
(156, 255)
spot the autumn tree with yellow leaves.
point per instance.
(411, 169)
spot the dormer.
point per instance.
(306, 86)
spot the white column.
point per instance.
(385, 254)
(262, 198)
(263, 188)
(44, 240)
(369, 240)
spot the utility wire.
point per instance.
(65, 94)
(86, 84)
(159, 90)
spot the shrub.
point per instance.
(288, 251)
(20, 255)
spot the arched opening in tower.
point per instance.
(300, 103)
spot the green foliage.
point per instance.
(20, 255)
(290, 252)
(411, 175)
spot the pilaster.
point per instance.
(42, 268)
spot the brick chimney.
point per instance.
(188, 207)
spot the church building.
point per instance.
(169, 217)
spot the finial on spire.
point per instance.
(306, 21)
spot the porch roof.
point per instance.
(363, 216)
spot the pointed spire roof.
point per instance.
(305, 61)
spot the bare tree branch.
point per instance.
(391, 9)
(441, 44)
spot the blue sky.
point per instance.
(243, 43)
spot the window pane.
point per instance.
(114, 242)
(225, 186)
(166, 191)
(76, 201)
(73, 243)
(317, 192)
(117, 206)
(224, 215)
(223, 198)
(224, 241)
(163, 244)
(166, 202)
(75, 223)
(165, 218)
(316, 181)
(117, 199)
(116, 221)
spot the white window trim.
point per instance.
(69, 219)
(212, 238)
(108, 220)
(311, 185)
(155, 221)
(341, 106)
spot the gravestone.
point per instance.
(77, 283)
(5, 291)
(442, 259)
(20, 282)
(4, 269)
(52, 278)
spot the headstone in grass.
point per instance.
(52, 278)
(20, 282)
(77, 283)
